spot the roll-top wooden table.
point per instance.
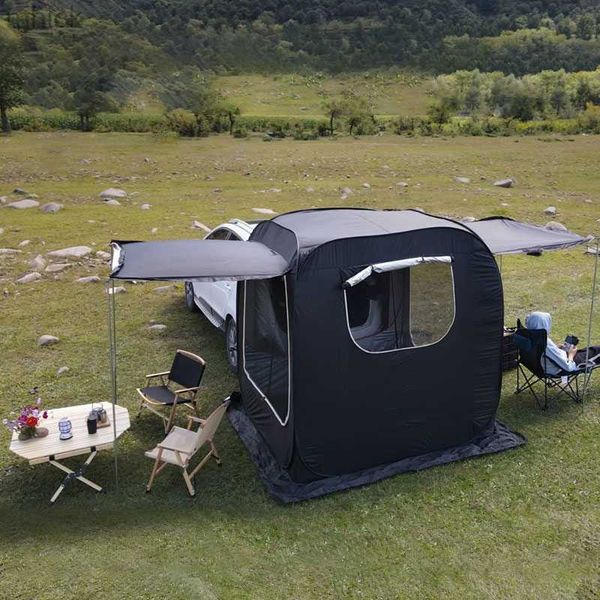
(51, 449)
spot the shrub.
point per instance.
(182, 121)
(240, 132)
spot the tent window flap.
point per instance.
(266, 342)
(402, 308)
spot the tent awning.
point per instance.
(195, 260)
(505, 236)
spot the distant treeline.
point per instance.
(546, 95)
(272, 128)
(515, 36)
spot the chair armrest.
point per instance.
(184, 390)
(192, 419)
(158, 374)
(173, 448)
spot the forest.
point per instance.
(91, 58)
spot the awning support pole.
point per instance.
(112, 340)
(587, 354)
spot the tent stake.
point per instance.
(112, 340)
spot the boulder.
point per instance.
(462, 180)
(37, 263)
(555, 226)
(402, 184)
(367, 186)
(264, 211)
(51, 207)
(24, 243)
(551, 211)
(71, 252)
(6, 251)
(88, 279)
(504, 183)
(20, 192)
(62, 370)
(117, 290)
(47, 340)
(146, 206)
(29, 278)
(112, 202)
(57, 267)
(103, 255)
(113, 193)
(22, 204)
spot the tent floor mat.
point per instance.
(283, 488)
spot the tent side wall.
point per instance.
(355, 409)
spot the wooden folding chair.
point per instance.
(179, 386)
(181, 445)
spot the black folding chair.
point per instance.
(178, 386)
(532, 347)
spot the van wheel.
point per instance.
(189, 297)
(231, 345)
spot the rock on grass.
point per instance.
(47, 340)
(22, 204)
(29, 278)
(113, 193)
(71, 252)
(51, 207)
(88, 279)
(504, 183)
(555, 226)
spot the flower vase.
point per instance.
(30, 432)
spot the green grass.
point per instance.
(296, 95)
(520, 525)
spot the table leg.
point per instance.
(74, 475)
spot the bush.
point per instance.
(240, 132)
(589, 120)
(182, 121)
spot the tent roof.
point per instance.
(505, 236)
(212, 260)
(200, 260)
(318, 226)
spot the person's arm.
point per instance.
(561, 358)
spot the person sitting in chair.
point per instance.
(561, 357)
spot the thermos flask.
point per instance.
(92, 422)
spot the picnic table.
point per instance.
(51, 449)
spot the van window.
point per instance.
(399, 309)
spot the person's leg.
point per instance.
(590, 353)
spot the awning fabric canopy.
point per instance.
(214, 260)
(195, 260)
(505, 236)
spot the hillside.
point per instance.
(246, 35)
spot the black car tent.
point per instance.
(369, 341)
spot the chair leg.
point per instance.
(153, 474)
(171, 420)
(545, 395)
(188, 482)
(215, 454)
(139, 412)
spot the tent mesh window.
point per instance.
(266, 342)
(402, 309)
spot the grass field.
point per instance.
(520, 525)
(294, 95)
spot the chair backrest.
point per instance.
(187, 369)
(532, 345)
(208, 430)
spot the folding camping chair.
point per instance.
(532, 347)
(186, 371)
(181, 445)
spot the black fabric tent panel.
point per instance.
(196, 260)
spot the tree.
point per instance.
(334, 109)
(230, 111)
(11, 72)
